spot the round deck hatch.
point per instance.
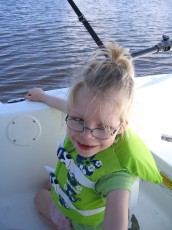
(24, 130)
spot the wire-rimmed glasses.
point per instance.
(78, 125)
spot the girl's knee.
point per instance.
(42, 200)
(49, 211)
(35, 199)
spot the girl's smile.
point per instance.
(86, 147)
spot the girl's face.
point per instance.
(87, 110)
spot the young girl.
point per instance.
(101, 156)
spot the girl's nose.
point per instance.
(87, 133)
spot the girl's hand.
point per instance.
(35, 94)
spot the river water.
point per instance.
(42, 41)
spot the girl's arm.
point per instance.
(116, 212)
(37, 94)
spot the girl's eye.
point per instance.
(78, 119)
(101, 128)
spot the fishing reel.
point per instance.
(164, 45)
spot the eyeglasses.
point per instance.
(77, 125)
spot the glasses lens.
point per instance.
(75, 125)
(101, 134)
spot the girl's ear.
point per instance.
(122, 127)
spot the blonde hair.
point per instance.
(108, 70)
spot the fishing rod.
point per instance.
(86, 24)
(164, 45)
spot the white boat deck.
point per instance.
(154, 210)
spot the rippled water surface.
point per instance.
(42, 41)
